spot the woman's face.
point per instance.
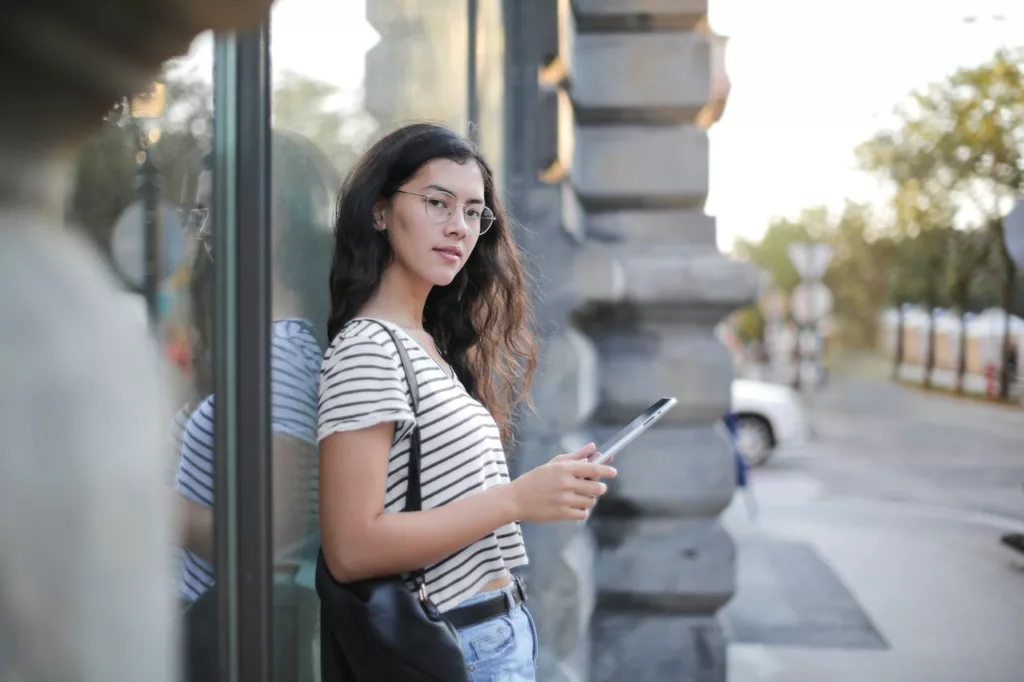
(425, 243)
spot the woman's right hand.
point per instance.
(564, 489)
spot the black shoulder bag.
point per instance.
(380, 630)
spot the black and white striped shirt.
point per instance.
(362, 383)
(295, 357)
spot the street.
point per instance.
(875, 554)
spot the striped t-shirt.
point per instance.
(294, 370)
(362, 383)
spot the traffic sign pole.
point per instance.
(811, 302)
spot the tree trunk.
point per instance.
(898, 352)
(961, 361)
(929, 362)
(1008, 291)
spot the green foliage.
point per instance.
(857, 274)
(317, 111)
(771, 254)
(749, 324)
(957, 156)
(970, 251)
(104, 182)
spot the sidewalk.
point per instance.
(836, 589)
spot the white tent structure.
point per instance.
(982, 347)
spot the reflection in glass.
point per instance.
(490, 85)
(133, 185)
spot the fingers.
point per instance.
(592, 471)
(578, 514)
(584, 502)
(589, 488)
(583, 453)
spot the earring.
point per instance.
(378, 224)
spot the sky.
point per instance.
(811, 79)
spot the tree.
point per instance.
(857, 274)
(963, 138)
(923, 266)
(749, 325)
(968, 251)
(319, 112)
(771, 253)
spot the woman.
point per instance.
(423, 247)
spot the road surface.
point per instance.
(875, 555)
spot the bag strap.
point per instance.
(413, 492)
(413, 495)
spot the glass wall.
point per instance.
(489, 77)
(141, 190)
(376, 66)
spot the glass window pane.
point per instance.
(140, 191)
(376, 65)
(490, 86)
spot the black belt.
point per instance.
(502, 605)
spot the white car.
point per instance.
(770, 418)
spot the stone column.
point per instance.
(569, 273)
(646, 83)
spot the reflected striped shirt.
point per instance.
(295, 357)
(362, 383)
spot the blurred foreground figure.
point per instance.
(85, 516)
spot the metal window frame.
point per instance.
(242, 436)
(472, 75)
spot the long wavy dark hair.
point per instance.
(482, 323)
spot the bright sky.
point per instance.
(813, 78)
(810, 80)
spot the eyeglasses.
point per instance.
(197, 221)
(440, 207)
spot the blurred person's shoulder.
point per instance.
(82, 425)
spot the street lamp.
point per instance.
(145, 110)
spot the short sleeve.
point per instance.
(362, 384)
(194, 478)
(294, 378)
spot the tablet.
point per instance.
(627, 435)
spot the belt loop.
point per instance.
(510, 602)
(520, 587)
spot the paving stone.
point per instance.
(631, 647)
(788, 596)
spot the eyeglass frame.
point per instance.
(464, 207)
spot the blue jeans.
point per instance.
(501, 649)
